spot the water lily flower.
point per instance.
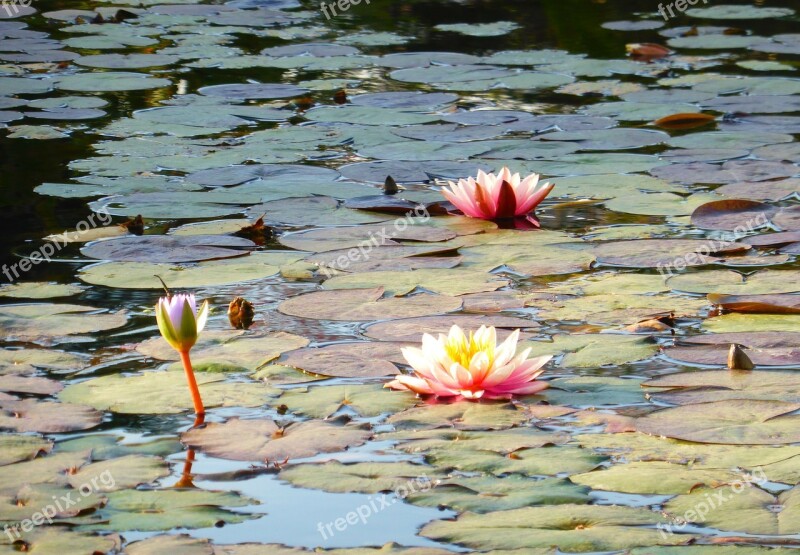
(180, 324)
(472, 367)
(496, 197)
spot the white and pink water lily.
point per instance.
(180, 324)
(496, 197)
(179, 321)
(472, 367)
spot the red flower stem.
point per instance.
(199, 409)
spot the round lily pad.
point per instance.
(264, 440)
(737, 422)
(166, 249)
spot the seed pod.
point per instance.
(738, 359)
(240, 313)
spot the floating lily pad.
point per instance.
(737, 422)
(17, 448)
(720, 385)
(110, 82)
(40, 290)
(729, 282)
(462, 415)
(365, 477)
(264, 440)
(496, 29)
(348, 360)
(488, 494)
(151, 510)
(592, 350)
(366, 400)
(167, 393)
(412, 329)
(51, 323)
(365, 305)
(139, 275)
(31, 415)
(739, 12)
(573, 528)
(746, 508)
(653, 478)
(168, 249)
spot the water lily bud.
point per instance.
(179, 322)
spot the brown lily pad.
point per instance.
(348, 360)
(768, 240)
(338, 238)
(265, 440)
(168, 248)
(758, 304)
(763, 190)
(411, 329)
(788, 219)
(722, 385)
(652, 253)
(46, 417)
(365, 305)
(764, 348)
(34, 385)
(732, 214)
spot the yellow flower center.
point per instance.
(462, 350)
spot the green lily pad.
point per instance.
(653, 478)
(536, 461)
(739, 12)
(365, 305)
(167, 509)
(571, 528)
(737, 422)
(366, 400)
(720, 385)
(167, 393)
(57, 541)
(496, 29)
(53, 323)
(364, 477)
(246, 350)
(489, 494)
(139, 275)
(15, 448)
(40, 290)
(746, 508)
(443, 282)
(462, 415)
(110, 82)
(593, 350)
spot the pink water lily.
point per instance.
(496, 197)
(471, 366)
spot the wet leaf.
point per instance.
(738, 422)
(365, 305)
(264, 440)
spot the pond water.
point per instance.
(672, 233)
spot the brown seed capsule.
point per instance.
(738, 359)
(240, 313)
(135, 226)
